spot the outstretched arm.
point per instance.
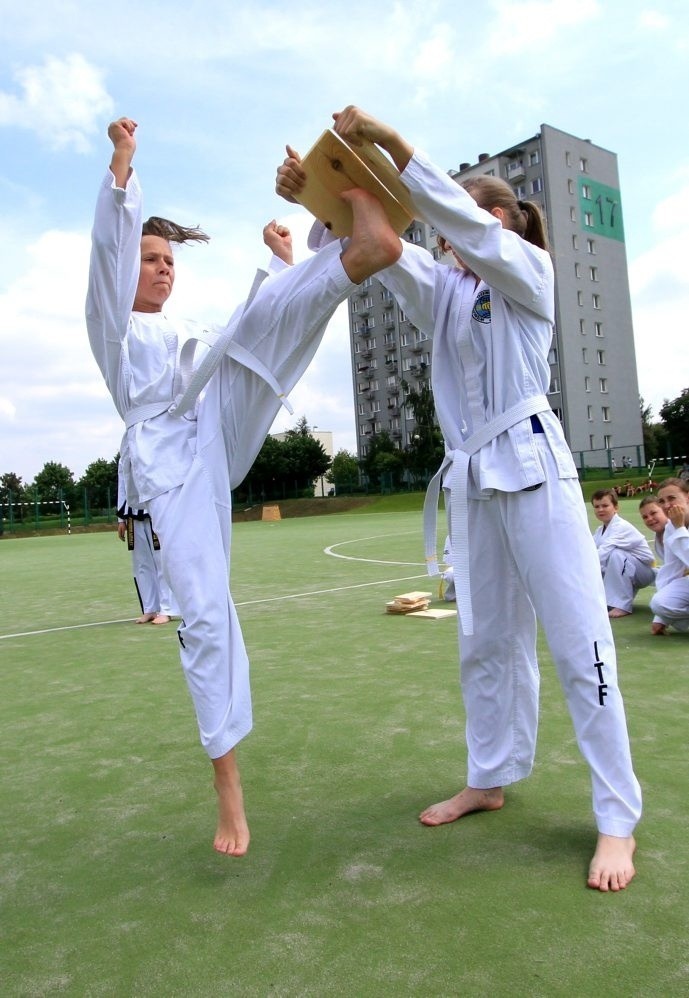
(356, 126)
(121, 134)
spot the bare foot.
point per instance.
(232, 834)
(612, 868)
(161, 618)
(467, 800)
(145, 618)
(616, 612)
(374, 244)
(658, 628)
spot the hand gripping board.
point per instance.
(332, 166)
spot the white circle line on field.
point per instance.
(251, 602)
(330, 550)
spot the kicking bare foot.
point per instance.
(374, 244)
(612, 868)
(658, 628)
(161, 618)
(467, 800)
(232, 834)
(615, 612)
(145, 618)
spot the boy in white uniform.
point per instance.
(512, 490)
(670, 605)
(186, 456)
(626, 560)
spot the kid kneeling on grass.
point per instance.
(626, 560)
(670, 605)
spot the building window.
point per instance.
(607, 441)
(572, 214)
(592, 442)
(603, 383)
(598, 328)
(375, 406)
(536, 185)
(591, 246)
(589, 413)
(593, 273)
(404, 339)
(520, 192)
(580, 298)
(595, 299)
(582, 327)
(575, 242)
(415, 236)
(360, 408)
(389, 339)
(370, 323)
(586, 191)
(606, 413)
(568, 159)
(584, 355)
(600, 356)
(554, 386)
(588, 218)
(587, 384)
(355, 306)
(552, 355)
(577, 270)
(367, 302)
(570, 187)
(534, 158)
(583, 164)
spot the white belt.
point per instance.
(455, 472)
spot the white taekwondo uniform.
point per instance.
(626, 561)
(521, 543)
(183, 467)
(670, 602)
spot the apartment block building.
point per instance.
(593, 386)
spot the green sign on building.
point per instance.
(601, 209)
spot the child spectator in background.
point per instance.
(626, 560)
(670, 605)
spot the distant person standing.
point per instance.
(158, 605)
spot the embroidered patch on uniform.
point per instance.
(481, 310)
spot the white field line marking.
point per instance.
(372, 561)
(251, 602)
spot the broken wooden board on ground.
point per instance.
(408, 602)
(333, 166)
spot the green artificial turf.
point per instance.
(109, 882)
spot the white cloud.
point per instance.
(62, 101)
(529, 24)
(659, 283)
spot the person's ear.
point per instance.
(498, 212)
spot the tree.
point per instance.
(675, 417)
(11, 488)
(383, 464)
(54, 481)
(654, 434)
(426, 450)
(268, 470)
(100, 482)
(305, 459)
(344, 470)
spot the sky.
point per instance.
(219, 88)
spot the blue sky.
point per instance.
(218, 88)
